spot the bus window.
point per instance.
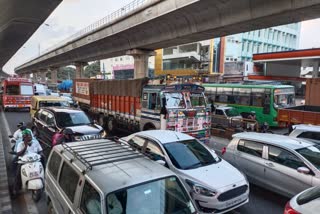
(257, 96)
(244, 96)
(284, 97)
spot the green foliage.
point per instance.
(92, 70)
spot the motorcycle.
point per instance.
(32, 174)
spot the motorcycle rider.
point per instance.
(28, 145)
(66, 137)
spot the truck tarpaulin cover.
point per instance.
(120, 87)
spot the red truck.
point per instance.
(306, 114)
(16, 93)
(143, 104)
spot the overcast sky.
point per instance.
(73, 15)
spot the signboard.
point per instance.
(82, 88)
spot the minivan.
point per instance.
(103, 176)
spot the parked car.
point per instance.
(215, 185)
(280, 163)
(306, 202)
(50, 120)
(102, 176)
(38, 102)
(309, 132)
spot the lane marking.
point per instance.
(30, 204)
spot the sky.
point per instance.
(73, 15)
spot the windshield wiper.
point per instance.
(193, 165)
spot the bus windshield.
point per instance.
(284, 98)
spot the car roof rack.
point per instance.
(99, 152)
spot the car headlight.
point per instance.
(200, 190)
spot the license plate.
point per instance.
(20, 106)
(234, 202)
(34, 174)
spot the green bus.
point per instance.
(264, 100)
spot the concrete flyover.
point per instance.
(165, 23)
(18, 21)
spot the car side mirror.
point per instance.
(303, 170)
(161, 162)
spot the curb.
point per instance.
(5, 200)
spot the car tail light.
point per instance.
(224, 149)
(289, 210)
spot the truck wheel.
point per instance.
(149, 127)
(111, 125)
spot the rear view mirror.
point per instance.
(303, 170)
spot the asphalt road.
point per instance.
(262, 201)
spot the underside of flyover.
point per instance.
(172, 22)
(18, 21)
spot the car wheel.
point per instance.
(111, 125)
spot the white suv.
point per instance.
(309, 132)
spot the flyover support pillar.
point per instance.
(80, 69)
(54, 74)
(315, 72)
(34, 77)
(141, 59)
(43, 75)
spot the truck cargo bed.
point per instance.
(299, 115)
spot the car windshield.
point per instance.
(232, 112)
(312, 154)
(309, 195)
(66, 119)
(156, 197)
(174, 100)
(189, 154)
(53, 103)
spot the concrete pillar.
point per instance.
(43, 74)
(315, 72)
(53, 71)
(80, 69)
(34, 77)
(141, 58)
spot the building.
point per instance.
(231, 55)
(122, 67)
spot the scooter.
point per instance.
(32, 174)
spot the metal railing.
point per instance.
(98, 24)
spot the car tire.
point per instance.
(111, 125)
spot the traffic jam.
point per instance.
(152, 145)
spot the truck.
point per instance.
(16, 93)
(304, 114)
(145, 104)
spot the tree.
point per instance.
(65, 73)
(92, 69)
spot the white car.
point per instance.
(309, 132)
(214, 184)
(306, 202)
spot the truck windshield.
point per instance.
(197, 100)
(66, 119)
(175, 100)
(157, 197)
(26, 89)
(312, 154)
(12, 90)
(284, 98)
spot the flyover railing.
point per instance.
(92, 27)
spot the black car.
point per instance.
(51, 120)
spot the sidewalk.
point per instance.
(5, 201)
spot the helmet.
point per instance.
(67, 131)
(20, 124)
(26, 133)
